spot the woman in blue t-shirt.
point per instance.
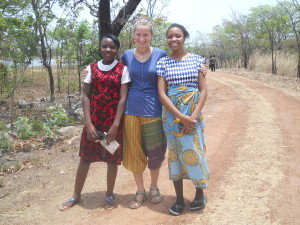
(144, 140)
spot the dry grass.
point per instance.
(2, 183)
(35, 83)
(286, 63)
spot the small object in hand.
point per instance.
(101, 135)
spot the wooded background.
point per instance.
(54, 32)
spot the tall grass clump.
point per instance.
(286, 63)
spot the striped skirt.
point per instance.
(143, 143)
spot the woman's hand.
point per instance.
(85, 72)
(204, 71)
(111, 134)
(188, 123)
(92, 133)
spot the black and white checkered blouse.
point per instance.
(180, 73)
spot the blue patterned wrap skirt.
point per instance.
(186, 150)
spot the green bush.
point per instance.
(4, 142)
(28, 128)
(24, 128)
(6, 83)
(2, 183)
(59, 117)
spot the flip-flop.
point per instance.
(198, 204)
(176, 209)
(110, 202)
(66, 206)
(152, 197)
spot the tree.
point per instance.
(200, 44)
(42, 10)
(154, 8)
(292, 9)
(105, 23)
(242, 29)
(18, 43)
(81, 37)
(270, 23)
(224, 44)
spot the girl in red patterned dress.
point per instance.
(104, 98)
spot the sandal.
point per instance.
(152, 197)
(110, 202)
(198, 204)
(135, 200)
(68, 204)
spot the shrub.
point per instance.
(2, 184)
(59, 117)
(4, 142)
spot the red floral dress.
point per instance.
(105, 96)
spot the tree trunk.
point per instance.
(274, 71)
(47, 65)
(106, 26)
(79, 60)
(45, 56)
(298, 69)
(51, 80)
(245, 59)
(17, 82)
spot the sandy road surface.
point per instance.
(253, 151)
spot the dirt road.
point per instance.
(253, 151)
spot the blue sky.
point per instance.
(200, 15)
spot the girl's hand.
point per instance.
(188, 123)
(111, 134)
(92, 133)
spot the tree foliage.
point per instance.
(269, 29)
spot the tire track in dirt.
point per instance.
(217, 140)
(285, 203)
(249, 181)
(254, 185)
(249, 130)
(222, 127)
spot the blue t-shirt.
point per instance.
(142, 99)
(180, 73)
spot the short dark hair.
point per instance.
(182, 28)
(114, 38)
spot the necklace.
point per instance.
(142, 53)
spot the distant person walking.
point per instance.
(212, 63)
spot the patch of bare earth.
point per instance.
(262, 186)
(252, 134)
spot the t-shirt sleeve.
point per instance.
(123, 58)
(88, 77)
(164, 53)
(160, 67)
(125, 76)
(200, 63)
